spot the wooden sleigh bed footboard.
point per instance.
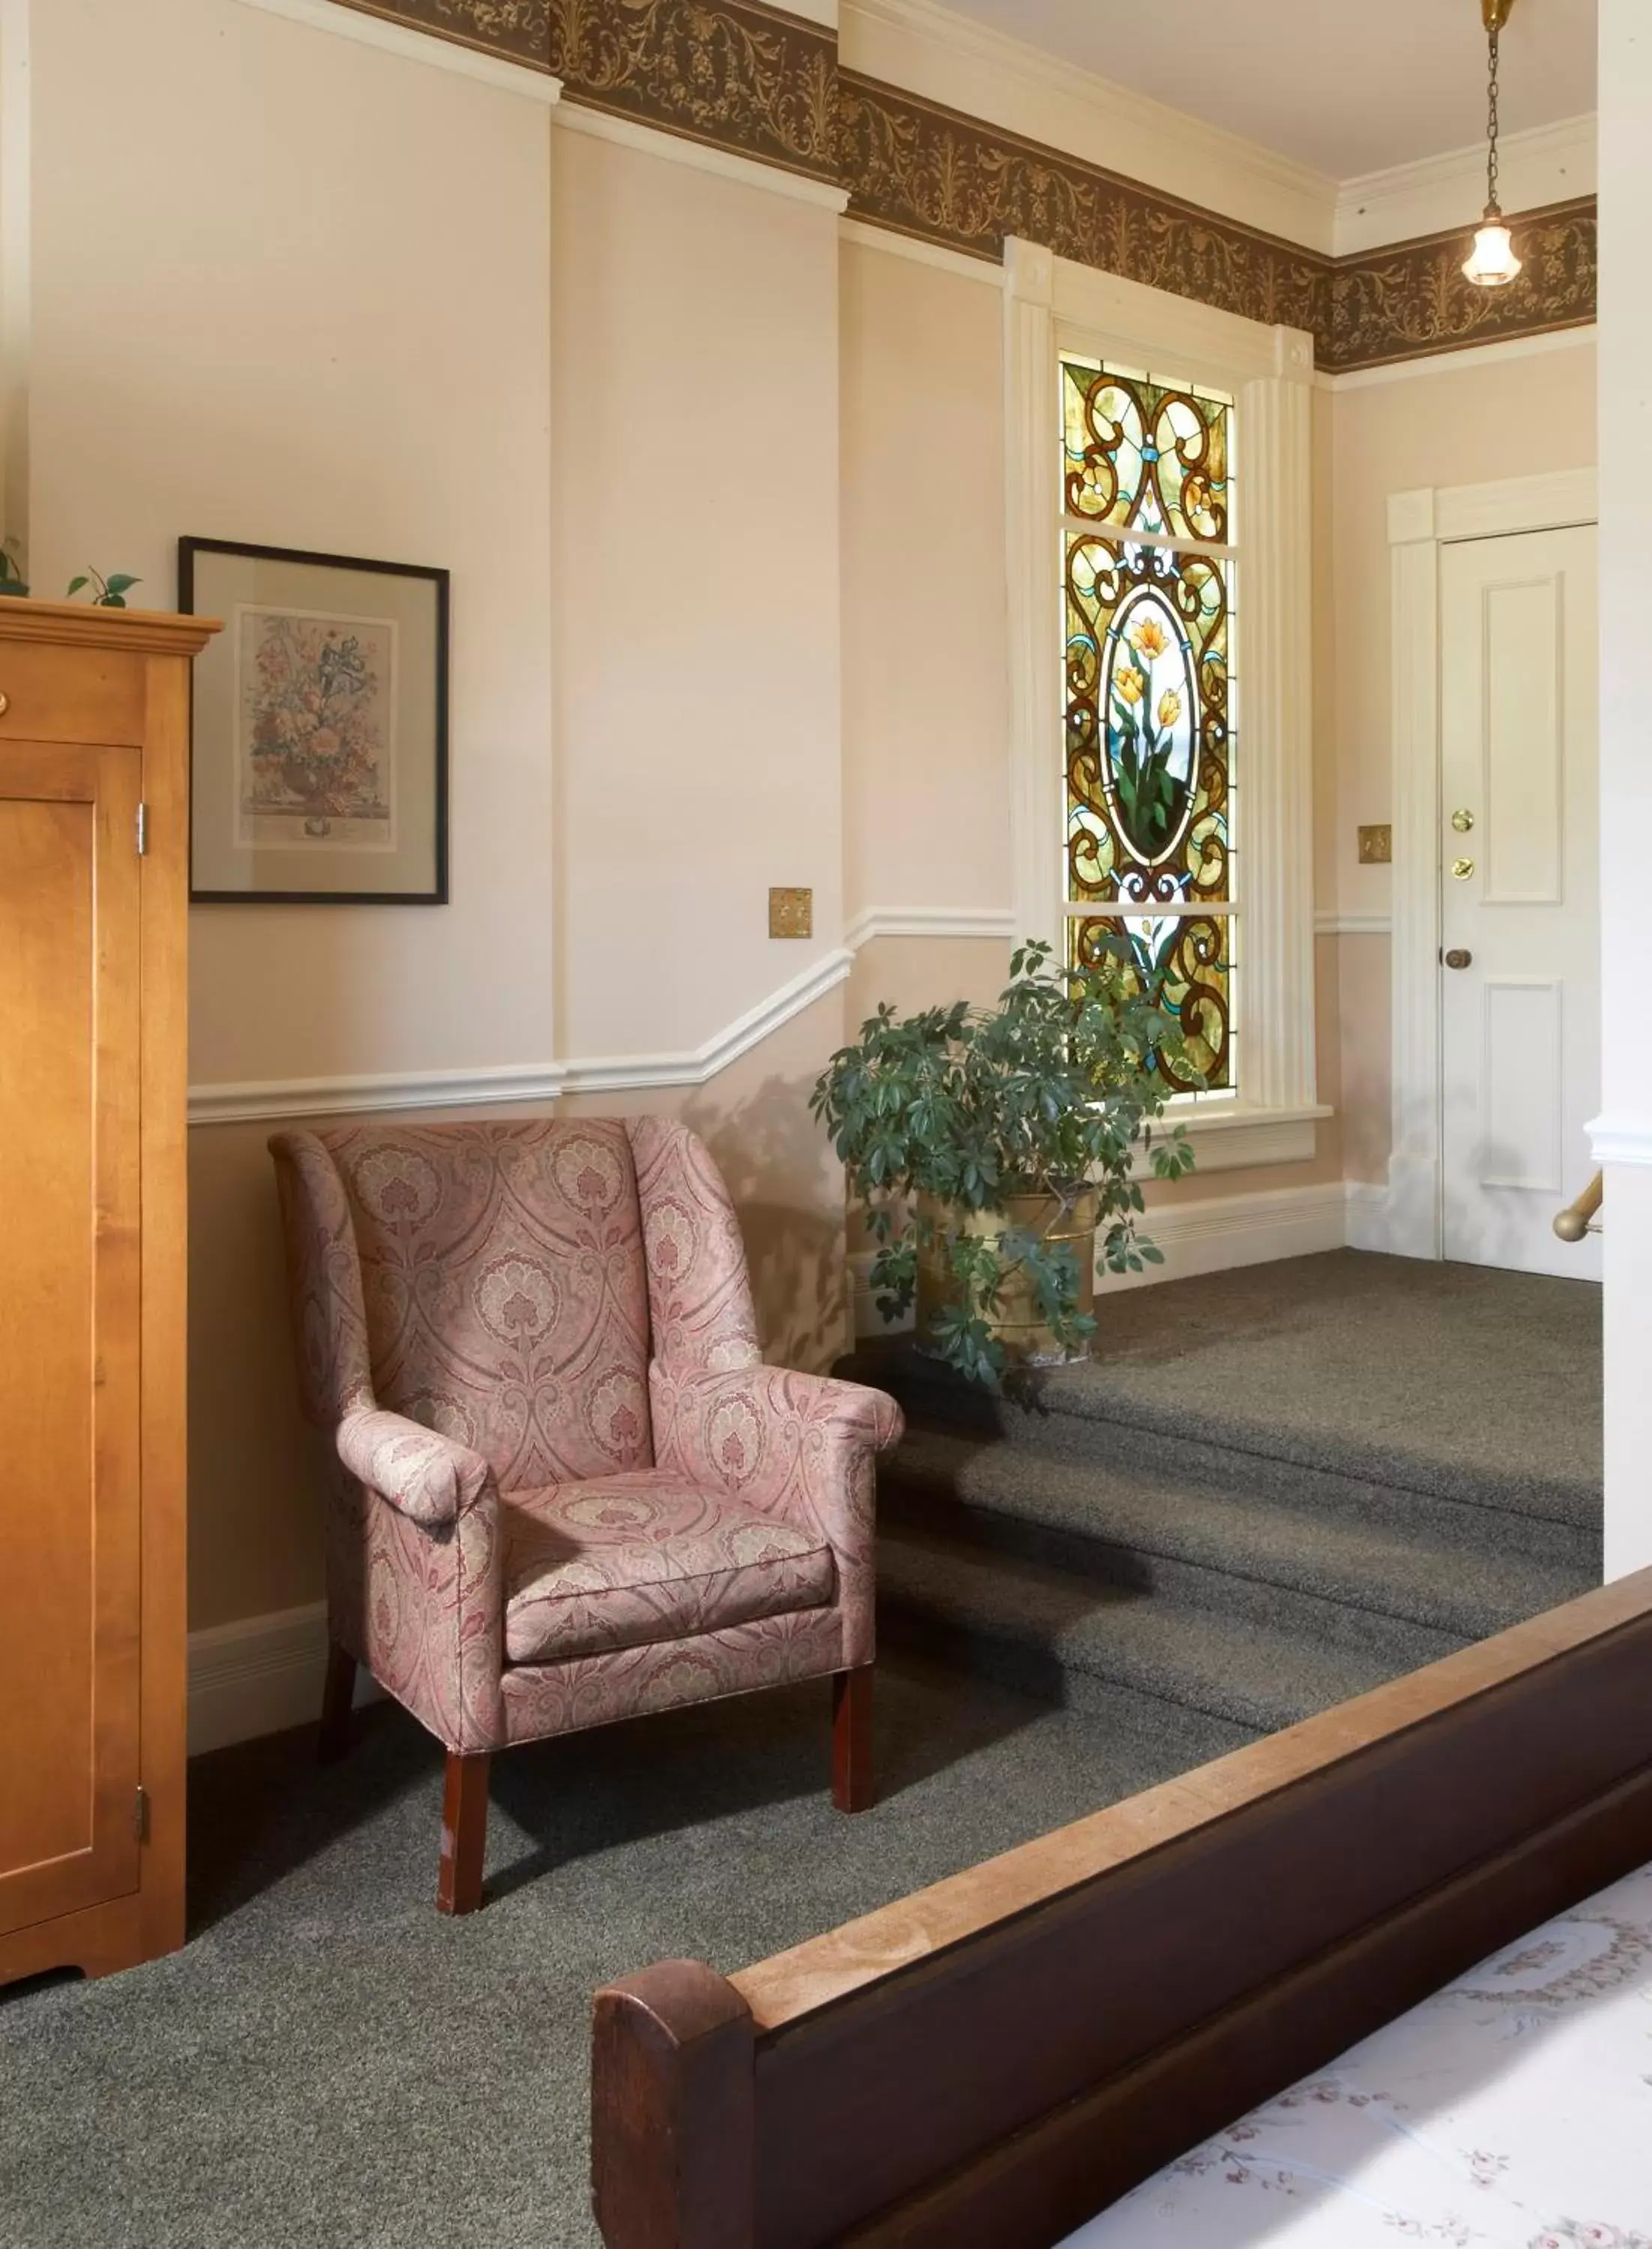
(993, 2060)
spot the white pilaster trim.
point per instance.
(1469, 359)
(701, 156)
(1031, 548)
(918, 251)
(1275, 747)
(1421, 521)
(426, 47)
(931, 921)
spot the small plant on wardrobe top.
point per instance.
(112, 591)
(12, 580)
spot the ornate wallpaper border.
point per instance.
(1410, 300)
(762, 83)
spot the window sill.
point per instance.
(1234, 1139)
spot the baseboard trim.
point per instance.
(1369, 1223)
(259, 1675)
(1215, 1236)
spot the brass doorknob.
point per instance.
(1457, 957)
(6, 704)
(1463, 820)
(1461, 868)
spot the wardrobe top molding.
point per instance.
(77, 624)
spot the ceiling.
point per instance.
(1346, 87)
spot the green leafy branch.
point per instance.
(1050, 1093)
(111, 591)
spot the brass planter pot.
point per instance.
(1020, 1326)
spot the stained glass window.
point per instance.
(1148, 568)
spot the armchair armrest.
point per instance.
(427, 1476)
(796, 1446)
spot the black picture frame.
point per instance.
(191, 548)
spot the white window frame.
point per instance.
(1051, 305)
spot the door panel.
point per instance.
(69, 1361)
(1519, 918)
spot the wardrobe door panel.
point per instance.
(70, 1499)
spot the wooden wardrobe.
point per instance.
(94, 825)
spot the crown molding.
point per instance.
(1241, 230)
(347, 19)
(1549, 164)
(658, 140)
(927, 49)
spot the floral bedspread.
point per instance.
(1513, 2109)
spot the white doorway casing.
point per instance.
(1421, 524)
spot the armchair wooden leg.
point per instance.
(853, 1788)
(333, 1738)
(464, 1833)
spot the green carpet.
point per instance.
(330, 2065)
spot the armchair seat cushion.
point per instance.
(623, 1561)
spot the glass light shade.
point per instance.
(1491, 263)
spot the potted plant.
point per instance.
(993, 1148)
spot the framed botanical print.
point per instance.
(318, 769)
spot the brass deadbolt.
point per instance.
(1461, 868)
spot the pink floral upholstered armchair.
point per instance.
(565, 1489)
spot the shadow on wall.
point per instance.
(788, 1191)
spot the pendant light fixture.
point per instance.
(1491, 263)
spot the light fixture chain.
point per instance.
(1492, 127)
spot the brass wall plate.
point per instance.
(1376, 845)
(791, 913)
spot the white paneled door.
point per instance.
(1519, 919)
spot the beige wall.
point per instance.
(744, 480)
(926, 666)
(263, 311)
(697, 604)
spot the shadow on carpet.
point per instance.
(329, 2062)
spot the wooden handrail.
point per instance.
(1577, 1218)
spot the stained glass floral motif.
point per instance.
(1147, 741)
(1190, 956)
(1144, 455)
(1149, 573)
